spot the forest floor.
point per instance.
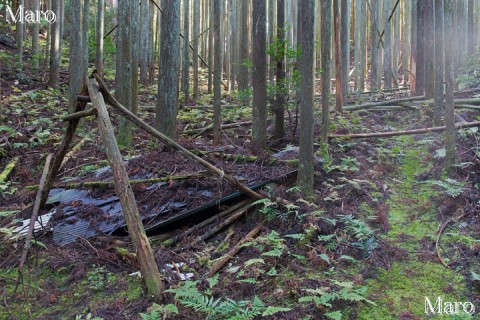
(363, 248)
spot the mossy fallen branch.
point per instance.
(8, 169)
(102, 184)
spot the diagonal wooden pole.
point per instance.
(148, 266)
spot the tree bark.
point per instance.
(186, 56)
(54, 80)
(148, 266)
(450, 148)
(144, 41)
(439, 63)
(420, 46)
(345, 45)
(259, 76)
(217, 85)
(338, 57)
(35, 38)
(169, 65)
(429, 49)
(99, 34)
(243, 47)
(326, 40)
(306, 20)
(76, 65)
(196, 22)
(279, 107)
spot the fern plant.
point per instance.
(450, 186)
(222, 308)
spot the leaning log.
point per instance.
(459, 125)
(148, 266)
(382, 103)
(166, 140)
(62, 151)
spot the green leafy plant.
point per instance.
(222, 308)
(450, 186)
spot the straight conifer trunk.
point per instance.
(169, 65)
(259, 75)
(306, 38)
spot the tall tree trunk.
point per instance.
(243, 41)
(420, 44)
(338, 57)
(270, 35)
(387, 39)
(99, 34)
(20, 36)
(169, 65)
(279, 108)
(144, 40)
(152, 11)
(345, 45)
(306, 21)
(76, 66)
(429, 49)
(217, 83)
(210, 46)
(470, 27)
(54, 80)
(234, 45)
(413, 49)
(326, 40)
(439, 63)
(186, 51)
(196, 22)
(35, 37)
(375, 77)
(449, 88)
(124, 67)
(85, 21)
(259, 75)
(363, 42)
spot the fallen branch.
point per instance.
(459, 125)
(225, 126)
(8, 169)
(36, 209)
(166, 140)
(382, 103)
(230, 254)
(440, 231)
(100, 184)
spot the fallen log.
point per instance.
(232, 252)
(382, 103)
(459, 125)
(8, 169)
(166, 140)
(225, 126)
(148, 266)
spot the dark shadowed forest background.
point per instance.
(239, 159)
